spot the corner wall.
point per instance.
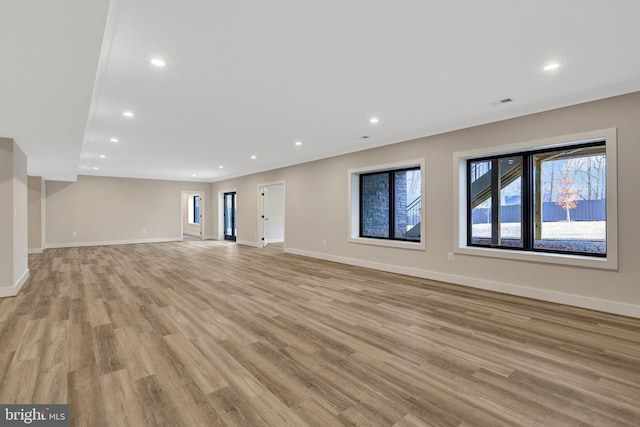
(317, 210)
(104, 211)
(14, 270)
(36, 199)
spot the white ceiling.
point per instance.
(252, 77)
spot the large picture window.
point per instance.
(390, 204)
(548, 200)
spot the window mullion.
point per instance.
(361, 207)
(495, 201)
(528, 194)
(392, 205)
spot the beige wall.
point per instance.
(36, 214)
(317, 210)
(114, 210)
(13, 218)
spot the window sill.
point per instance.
(417, 246)
(608, 263)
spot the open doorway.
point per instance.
(271, 221)
(229, 210)
(192, 215)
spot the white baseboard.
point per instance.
(607, 306)
(210, 237)
(12, 291)
(280, 240)
(35, 251)
(112, 242)
(248, 243)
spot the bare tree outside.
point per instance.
(567, 194)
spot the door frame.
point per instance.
(221, 193)
(201, 205)
(234, 208)
(261, 242)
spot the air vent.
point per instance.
(506, 100)
(365, 137)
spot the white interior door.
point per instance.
(265, 216)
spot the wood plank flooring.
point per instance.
(214, 334)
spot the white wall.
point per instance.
(317, 210)
(103, 210)
(14, 269)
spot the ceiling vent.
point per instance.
(506, 101)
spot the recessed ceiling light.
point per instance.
(114, 140)
(193, 175)
(551, 66)
(298, 143)
(127, 113)
(102, 156)
(220, 167)
(374, 120)
(253, 157)
(95, 168)
(158, 62)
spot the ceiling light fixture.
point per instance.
(220, 167)
(114, 140)
(158, 62)
(298, 143)
(127, 113)
(374, 120)
(95, 168)
(194, 175)
(551, 66)
(102, 156)
(253, 157)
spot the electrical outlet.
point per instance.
(74, 234)
(450, 256)
(144, 231)
(324, 241)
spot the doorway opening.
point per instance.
(230, 229)
(271, 220)
(192, 215)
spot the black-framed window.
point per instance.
(391, 204)
(551, 200)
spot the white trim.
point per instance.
(113, 242)
(460, 201)
(202, 212)
(388, 243)
(281, 240)
(35, 251)
(247, 243)
(260, 202)
(12, 291)
(353, 205)
(608, 306)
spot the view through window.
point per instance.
(391, 204)
(546, 200)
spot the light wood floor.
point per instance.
(214, 334)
